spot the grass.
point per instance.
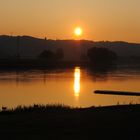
(38, 108)
(63, 122)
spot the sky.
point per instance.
(113, 20)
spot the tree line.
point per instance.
(95, 55)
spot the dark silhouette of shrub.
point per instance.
(47, 55)
(59, 54)
(101, 55)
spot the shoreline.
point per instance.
(58, 122)
(59, 107)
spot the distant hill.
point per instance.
(30, 47)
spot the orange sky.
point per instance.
(56, 19)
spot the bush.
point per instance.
(101, 55)
(47, 55)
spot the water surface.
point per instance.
(71, 86)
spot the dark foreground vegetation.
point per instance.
(58, 122)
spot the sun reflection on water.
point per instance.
(77, 75)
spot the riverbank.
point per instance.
(58, 122)
(24, 64)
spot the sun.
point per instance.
(78, 31)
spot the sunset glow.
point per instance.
(77, 82)
(78, 31)
(99, 20)
(66, 66)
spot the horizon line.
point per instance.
(90, 40)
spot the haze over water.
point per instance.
(70, 86)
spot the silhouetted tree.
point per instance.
(101, 55)
(47, 55)
(59, 54)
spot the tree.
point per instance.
(101, 55)
(59, 54)
(47, 55)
